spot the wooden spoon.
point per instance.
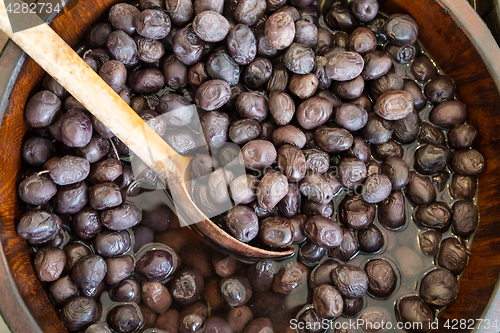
(45, 47)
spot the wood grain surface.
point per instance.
(442, 34)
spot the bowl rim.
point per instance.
(13, 309)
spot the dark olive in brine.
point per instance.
(128, 290)
(70, 198)
(49, 263)
(340, 18)
(463, 187)
(328, 302)
(462, 136)
(381, 278)
(244, 130)
(156, 296)
(258, 154)
(78, 313)
(243, 189)
(322, 273)
(238, 318)
(423, 69)
(351, 281)
(316, 188)
(122, 17)
(323, 232)
(412, 309)
(377, 129)
(448, 114)
(350, 116)
(311, 254)
(180, 11)
(429, 241)
(123, 48)
(439, 287)
(394, 105)
(348, 248)
(467, 162)
(436, 216)
(344, 66)
(76, 128)
(155, 265)
(430, 134)
(431, 159)
(242, 222)
(272, 188)
(187, 285)
(290, 278)
(464, 218)
(236, 290)
(248, 12)
(38, 226)
(290, 204)
(397, 170)
(215, 126)
(370, 239)
(365, 10)
(89, 271)
(420, 189)
(401, 29)
(37, 150)
(276, 232)
(125, 318)
(362, 41)
(251, 105)
(314, 112)
(406, 130)
(333, 139)
(298, 222)
(306, 33)
(359, 149)
(387, 82)
(187, 46)
(221, 66)
(211, 26)
(97, 35)
(402, 54)
(376, 188)
(299, 59)
(351, 172)
(377, 64)
(281, 106)
(452, 255)
(63, 290)
(261, 275)
(37, 190)
(440, 89)
(419, 100)
(109, 244)
(303, 85)
(149, 50)
(391, 211)
(197, 75)
(257, 73)
(118, 269)
(280, 30)
(242, 44)
(355, 213)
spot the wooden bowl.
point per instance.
(449, 30)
